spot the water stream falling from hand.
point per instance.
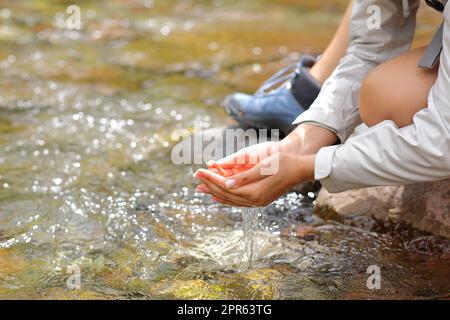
(250, 228)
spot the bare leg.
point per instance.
(309, 138)
(396, 90)
(335, 51)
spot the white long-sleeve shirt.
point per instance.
(383, 154)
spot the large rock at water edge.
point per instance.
(425, 206)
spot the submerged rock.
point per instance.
(188, 289)
(425, 206)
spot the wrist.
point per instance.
(307, 165)
(289, 144)
(307, 139)
(302, 168)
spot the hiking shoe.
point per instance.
(279, 101)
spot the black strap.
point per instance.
(435, 4)
(434, 49)
(305, 88)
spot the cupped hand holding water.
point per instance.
(251, 184)
(258, 175)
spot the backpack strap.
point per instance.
(439, 6)
(434, 49)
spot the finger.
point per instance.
(213, 177)
(239, 158)
(236, 170)
(220, 193)
(245, 177)
(223, 171)
(223, 201)
(202, 189)
(266, 187)
(219, 169)
(223, 194)
(249, 155)
(234, 181)
(248, 166)
(214, 170)
(242, 168)
(241, 196)
(216, 184)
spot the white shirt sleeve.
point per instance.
(379, 30)
(387, 155)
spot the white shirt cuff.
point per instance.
(323, 167)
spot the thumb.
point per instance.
(246, 177)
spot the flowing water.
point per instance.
(87, 188)
(250, 228)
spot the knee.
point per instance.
(371, 110)
(396, 90)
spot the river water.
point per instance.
(87, 188)
(250, 227)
